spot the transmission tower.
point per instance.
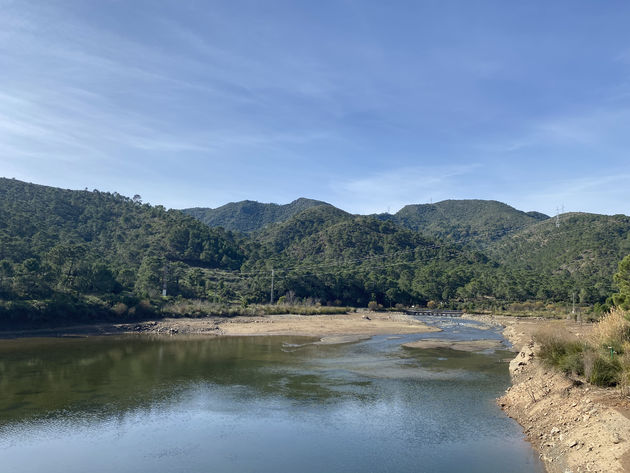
(557, 217)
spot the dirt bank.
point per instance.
(338, 328)
(574, 426)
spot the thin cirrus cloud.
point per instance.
(367, 107)
(389, 191)
(583, 194)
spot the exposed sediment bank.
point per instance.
(338, 328)
(459, 345)
(574, 426)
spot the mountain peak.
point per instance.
(250, 215)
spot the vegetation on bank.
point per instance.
(201, 308)
(60, 311)
(602, 359)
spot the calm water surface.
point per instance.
(256, 404)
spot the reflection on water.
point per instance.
(258, 404)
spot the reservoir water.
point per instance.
(256, 404)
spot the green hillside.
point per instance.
(247, 215)
(56, 242)
(585, 247)
(355, 259)
(469, 221)
(300, 226)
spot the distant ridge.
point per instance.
(473, 221)
(587, 246)
(248, 215)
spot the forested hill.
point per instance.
(302, 225)
(54, 240)
(352, 260)
(586, 247)
(68, 254)
(469, 221)
(247, 215)
(476, 222)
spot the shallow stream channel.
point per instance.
(140, 403)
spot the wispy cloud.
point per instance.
(595, 128)
(269, 103)
(599, 193)
(389, 190)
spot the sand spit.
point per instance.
(359, 323)
(460, 345)
(338, 328)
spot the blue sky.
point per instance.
(368, 105)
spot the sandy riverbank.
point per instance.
(338, 328)
(459, 345)
(574, 426)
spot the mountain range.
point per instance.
(470, 220)
(113, 252)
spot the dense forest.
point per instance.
(478, 222)
(248, 215)
(88, 255)
(95, 250)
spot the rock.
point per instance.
(555, 431)
(572, 443)
(616, 439)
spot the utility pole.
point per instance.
(271, 298)
(573, 310)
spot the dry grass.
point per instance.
(603, 359)
(561, 349)
(613, 330)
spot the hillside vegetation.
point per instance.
(88, 255)
(583, 247)
(66, 245)
(247, 215)
(478, 222)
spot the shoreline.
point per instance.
(575, 427)
(327, 327)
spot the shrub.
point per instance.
(605, 372)
(120, 309)
(624, 377)
(589, 357)
(561, 350)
